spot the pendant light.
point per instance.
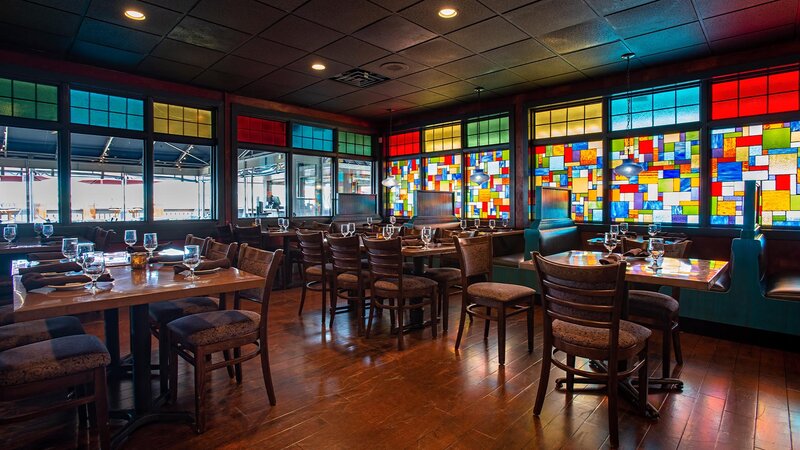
(389, 182)
(478, 175)
(628, 168)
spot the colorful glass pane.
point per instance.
(312, 138)
(655, 107)
(101, 110)
(404, 143)
(443, 137)
(28, 100)
(567, 121)
(577, 166)
(493, 198)
(261, 131)
(750, 96)
(182, 120)
(355, 144)
(401, 197)
(444, 174)
(488, 131)
(668, 189)
(767, 153)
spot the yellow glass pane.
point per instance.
(594, 110)
(558, 115)
(160, 110)
(593, 125)
(189, 129)
(204, 116)
(575, 127)
(558, 129)
(542, 131)
(160, 125)
(175, 112)
(575, 113)
(190, 114)
(541, 118)
(204, 131)
(175, 127)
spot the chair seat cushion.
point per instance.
(784, 286)
(349, 280)
(6, 314)
(499, 292)
(411, 285)
(24, 333)
(317, 270)
(652, 305)
(51, 359)
(511, 260)
(212, 327)
(630, 335)
(447, 275)
(165, 312)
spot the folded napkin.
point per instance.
(166, 258)
(45, 256)
(222, 263)
(141, 249)
(411, 241)
(36, 280)
(636, 252)
(55, 267)
(611, 259)
(52, 238)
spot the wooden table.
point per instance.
(23, 246)
(135, 289)
(286, 239)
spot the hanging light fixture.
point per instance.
(628, 168)
(478, 175)
(389, 182)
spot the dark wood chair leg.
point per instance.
(163, 357)
(643, 385)
(302, 298)
(373, 305)
(613, 397)
(434, 313)
(529, 317)
(237, 352)
(173, 374)
(200, 391)
(486, 324)
(401, 303)
(325, 288)
(570, 375)
(461, 321)
(501, 334)
(445, 308)
(544, 377)
(101, 407)
(265, 371)
(334, 300)
(676, 343)
(666, 351)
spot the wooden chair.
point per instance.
(348, 276)
(387, 281)
(582, 309)
(196, 336)
(218, 250)
(24, 333)
(102, 238)
(57, 365)
(447, 278)
(248, 235)
(225, 233)
(479, 291)
(195, 240)
(317, 270)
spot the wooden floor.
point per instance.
(336, 390)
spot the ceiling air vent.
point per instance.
(359, 78)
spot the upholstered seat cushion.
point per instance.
(784, 286)
(499, 292)
(50, 359)
(6, 314)
(511, 260)
(348, 280)
(444, 274)
(317, 269)
(411, 285)
(652, 305)
(165, 312)
(212, 327)
(630, 335)
(24, 333)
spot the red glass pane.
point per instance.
(261, 131)
(783, 82)
(750, 87)
(404, 143)
(724, 110)
(752, 106)
(724, 91)
(787, 101)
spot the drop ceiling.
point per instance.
(265, 49)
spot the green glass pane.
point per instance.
(79, 98)
(6, 107)
(79, 115)
(503, 137)
(47, 111)
(46, 93)
(118, 104)
(24, 108)
(117, 120)
(98, 118)
(24, 90)
(777, 138)
(472, 140)
(5, 87)
(98, 101)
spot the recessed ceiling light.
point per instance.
(318, 66)
(448, 13)
(134, 14)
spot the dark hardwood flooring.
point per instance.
(336, 390)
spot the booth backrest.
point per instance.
(557, 240)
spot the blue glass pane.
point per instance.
(619, 122)
(619, 106)
(98, 101)
(98, 118)
(688, 114)
(642, 119)
(117, 104)
(117, 120)
(642, 103)
(664, 117)
(135, 123)
(663, 100)
(135, 107)
(79, 98)
(688, 96)
(79, 115)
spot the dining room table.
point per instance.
(22, 246)
(134, 289)
(286, 238)
(674, 273)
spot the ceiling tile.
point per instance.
(186, 53)
(395, 5)
(550, 15)
(693, 51)
(382, 108)
(456, 89)
(26, 39)
(289, 78)
(331, 88)
(171, 70)
(652, 17)
(265, 89)
(661, 41)
(469, 67)
(37, 17)
(597, 56)
(517, 88)
(561, 79)
(435, 52)
(350, 50)
(352, 100)
(159, 20)
(784, 32)
(710, 8)
(332, 68)
(428, 79)
(426, 14)
(606, 7)
(304, 98)
(388, 71)
(518, 53)
(346, 17)
(392, 88)
(502, 6)
(615, 67)
(286, 5)
(73, 6)
(300, 33)
(543, 69)
(577, 37)
(248, 16)
(394, 33)
(182, 6)
(770, 15)
(247, 68)
(111, 35)
(496, 80)
(108, 56)
(221, 80)
(423, 97)
(269, 52)
(206, 34)
(486, 35)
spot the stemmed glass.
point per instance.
(9, 233)
(94, 265)
(653, 229)
(283, 224)
(656, 248)
(623, 228)
(191, 259)
(69, 248)
(614, 231)
(609, 242)
(344, 229)
(257, 222)
(477, 224)
(150, 243)
(83, 249)
(392, 220)
(426, 235)
(463, 225)
(505, 223)
(37, 228)
(130, 238)
(388, 231)
(369, 222)
(351, 229)
(492, 223)
(47, 230)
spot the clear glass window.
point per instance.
(261, 183)
(28, 175)
(183, 184)
(313, 185)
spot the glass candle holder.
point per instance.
(138, 260)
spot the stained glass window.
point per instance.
(182, 120)
(493, 198)
(355, 144)
(750, 96)
(401, 197)
(768, 153)
(567, 121)
(668, 190)
(28, 100)
(312, 138)
(444, 174)
(655, 107)
(487, 131)
(443, 137)
(261, 131)
(578, 166)
(404, 143)
(101, 110)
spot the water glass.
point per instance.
(477, 223)
(614, 231)
(191, 259)
(505, 223)
(369, 222)
(426, 235)
(652, 229)
(351, 229)
(388, 231)
(150, 243)
(69, 248)
(344, 229)
(83, 249)
(47, 230)
(37, 228)
(257, 222)
(94, 265)
(9, 233)
(492, 223)
(609, 242)
(623, 228)
(463, 225)
(130, 238)
(656, 249)
(392, 220)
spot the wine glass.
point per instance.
(130, 238)
(505, 223)
(257, 222)
(369, 222)
(191, 258)
(426, 235)
(463, 225)
(477, 223)
(150, 243)
(615, 231)
(623, 228)
(37, 228)
(351, 229)
(69, 248)
(83, 249)
(388, 231)
(344, 229)
(47, 230)
(652, 230)
(656, 248)
(609, 242)
(9, 233)
(492, 223)
(94, 265)
(392, 220)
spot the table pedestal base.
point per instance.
(136, 421)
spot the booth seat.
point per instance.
(507, 252)
(782, 279)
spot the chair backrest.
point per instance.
(219, 250)
(321, 226)
(345, 253)
(385, 260)
(196, 240)
(312, 248)
(475, 257)
(225, 233)
(248, 235)
(264, 264)
(591, 296)
(102, 238)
